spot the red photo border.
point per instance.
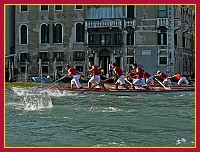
(88, 149)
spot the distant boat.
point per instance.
(42, 80)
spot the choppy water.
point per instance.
(36, 117)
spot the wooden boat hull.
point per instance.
(155, 90)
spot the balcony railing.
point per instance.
(104, 23)
(105, 44)
(162, 22)
(129, 22)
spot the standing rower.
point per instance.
(139, 78)
(94, 70)
(181, 79)
(76, 76)
(164, 76)
(118, 72)
(149, 78)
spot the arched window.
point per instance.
(23, 33)
(57, 33)
(45, 33)
(79, 32)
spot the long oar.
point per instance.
(128, 82)
(57, 81)
(82, 78)
(108, 79)
(161, 84)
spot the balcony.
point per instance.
(103, 23)
(162, 22)
(109, 23)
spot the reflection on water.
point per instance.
(37, 117)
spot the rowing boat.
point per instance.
(111, 85)
(121, 91)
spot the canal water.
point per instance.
(52, 118)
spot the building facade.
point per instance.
(157, 37)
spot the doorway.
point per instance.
(104, 61)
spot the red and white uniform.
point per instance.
(139, 73)
(148, 77)
(139, 77)
(164, 76)
(96, 75)
(132, 75)
(74, 73)
(119, 74)
(181, 79)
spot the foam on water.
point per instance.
(52, 93)
(98, 119)
(36, 98)
(111, 144)
(104, 109)
(36, 102)
(19, 91)
(30, 99)
(180, 141)
(59, 93)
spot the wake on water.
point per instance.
(30, 99)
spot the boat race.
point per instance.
(100, 76)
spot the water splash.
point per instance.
(36, 102)
(30, 99)
(59, 93)
(19, 91)
(180, 141)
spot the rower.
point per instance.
(165, 77)
(139, 76)
(76, 76)
(94, 70)
(181, 79)
(118, 72)
(149, 78)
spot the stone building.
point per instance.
(157, 37)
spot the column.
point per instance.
(125, 51)
(95, 58)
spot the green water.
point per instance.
(36, 117)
